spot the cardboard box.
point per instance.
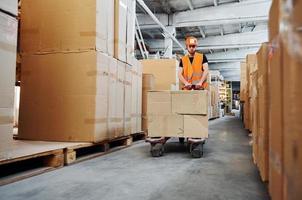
(292, 123)
(10, 6)
(134, 101)
(263, 100)
(196, 126)
(243, 82)
(274, 20)
(159, 103)
(128, 100)
(56, 106)
(112, 102)
(190, 102)
(164, 71)
(120, 29)
(165, 125)
(110, 27)
(83, 27)
(131, 15)
(8, 41)
(139, 104)
(120, 95)
(148, 84)
(276, 136)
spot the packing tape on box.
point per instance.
(116, 119)
(97, 73)
(96, 121)
(6, 120)
(8, 47)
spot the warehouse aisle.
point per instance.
(225, 172)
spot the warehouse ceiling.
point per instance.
(227, 30)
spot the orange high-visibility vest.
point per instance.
(193, 72)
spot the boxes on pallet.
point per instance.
(164, 71)
(292, 123)
(276, 137)
(110, 27)
(120, 102)
(251, 61)
(10, 6)
(190, 102)
(64, 97)
(112, 98)
(131, 15)
(128, 99)
(140, 95)
(274, 20)
(148, 84)
(162, 121)
(263, 100)
(8, 47)
(243, 82)
(136, 115)
(120, 29)
(84, 27)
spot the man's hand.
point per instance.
(188, 86)
(199, 86)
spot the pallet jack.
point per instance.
(194, 146)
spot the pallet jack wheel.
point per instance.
(196, 150)
(157, 150)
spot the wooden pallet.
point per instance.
(138, 136)
(87, 151)
(15, 169)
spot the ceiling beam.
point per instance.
(233, 13)
(203, 34)
(190, 4)
(230, 41)
(229, 13)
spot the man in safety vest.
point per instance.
(193, 67)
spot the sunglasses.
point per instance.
(192, 46)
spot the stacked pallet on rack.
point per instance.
(69, 77)
(275, 103)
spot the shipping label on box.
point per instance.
(190, 102)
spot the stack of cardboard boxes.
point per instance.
(213, 101)
(148, 84)
(8, 48)
(177, 114)
(72, 88)
(165, 72)
(278, 131)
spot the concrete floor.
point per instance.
(225, 172)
